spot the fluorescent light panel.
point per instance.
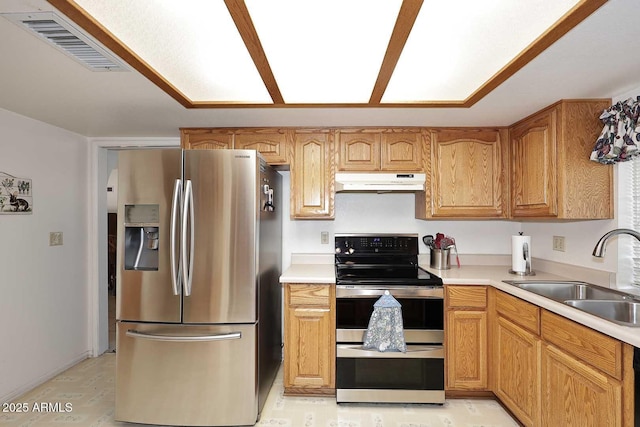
(193, 44)
(458, 45)
(325, 52)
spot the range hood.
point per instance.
(380, 182)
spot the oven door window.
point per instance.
(390, 374)
(423, 313)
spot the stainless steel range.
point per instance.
(367, 265)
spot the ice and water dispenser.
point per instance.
(141, 237)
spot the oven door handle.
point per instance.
(413, 352)
(436, 292)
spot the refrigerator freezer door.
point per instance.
(186, 374)
(146, 183)
(225, 199)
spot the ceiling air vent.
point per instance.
(69, 39)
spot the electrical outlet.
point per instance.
(558, 243)
(55, 238)
(324, 237)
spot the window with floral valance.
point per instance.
(620, 137)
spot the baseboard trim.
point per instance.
(469, 394)
(44, 378)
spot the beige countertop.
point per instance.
(309, 273)
(491, 275)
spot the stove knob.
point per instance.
(338, 250)
(351, 250)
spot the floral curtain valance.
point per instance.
(620, 137)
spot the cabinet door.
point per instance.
(466, 350)
(534, 156)
(309, 341)
(468, 174)
(271, 143)
(517, 370)
(312, 176)
(576, 394)
(206, 139)
(358, 150)
(401, 151)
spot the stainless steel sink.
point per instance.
(625, 313)
(569, 290)
(608, 304)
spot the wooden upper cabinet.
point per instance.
(312, 175)
(371, 150)
(206, 139)
(534, 148)
(552, 176)
(271, 143)
(358, 151)
(401, 151)
(467, 174)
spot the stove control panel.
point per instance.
(406, 244)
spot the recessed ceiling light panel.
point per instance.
(193, 44)
(325, 51)
(458, 45)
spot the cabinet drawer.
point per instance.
(466, 296)
(518, 311)
(596, 349)
(308, 295)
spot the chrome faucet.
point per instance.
(598, 251)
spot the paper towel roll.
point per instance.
(518, 263)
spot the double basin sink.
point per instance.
(608, 304)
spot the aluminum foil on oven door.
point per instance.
(385, 331)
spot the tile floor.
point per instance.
(87, 392)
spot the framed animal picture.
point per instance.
(15, 195)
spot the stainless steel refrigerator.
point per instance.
(198, 294)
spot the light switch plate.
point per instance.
(55, 238)
(324, 237)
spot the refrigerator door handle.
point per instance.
(175, 206)
(187, 255)
(178, 338)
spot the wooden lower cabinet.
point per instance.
(309, 339)
(576, 394)
(466, 343)
(516, 369)
(466, 350)
(551, 371)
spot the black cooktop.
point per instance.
(380, 259)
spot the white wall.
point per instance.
(580, 239)
(389, 213)
(43, 290)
